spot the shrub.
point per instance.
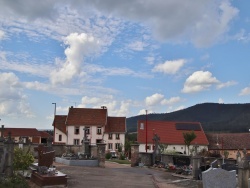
(122, 156)
(108, 155)
(22, 159)
(14, 182)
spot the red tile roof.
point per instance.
(16, 132)
(44, 134)
(228, 141)
(116, 125)
(168, 133)
(59, 122)
(87, 116)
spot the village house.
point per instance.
(171, 135)
(94, 123)
(27, 135)
(228, 142)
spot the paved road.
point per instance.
(121, 176)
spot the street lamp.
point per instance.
(54, 120)
(146, 131)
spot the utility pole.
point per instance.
(146, 131)
(54, 122)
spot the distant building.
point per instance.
(231, 142)
(28, 135)
(171, 134)
(92, 122)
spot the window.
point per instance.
(110, 146)
(77, 130)
(173, 147)
(117, 145)
(98, 140)
(110, 136)
(76, 141)
(117, 136)
(148, 147)
(181, 147)
(142, 126)
(87, 130)
(60, 137)
(153, 147)
(99, 130)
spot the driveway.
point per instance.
(121, 176)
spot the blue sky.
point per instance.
(159, 55)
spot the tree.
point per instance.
(188, 138)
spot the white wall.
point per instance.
(57, 133)
(114, 140)
(178, 148)
(92, 136)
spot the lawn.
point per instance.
(121, 161)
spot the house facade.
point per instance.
(27, 135)
(171, 135)
(92, 124)
(228, 142)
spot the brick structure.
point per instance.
(134, 155)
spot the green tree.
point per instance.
(22, 159)
(188, 138)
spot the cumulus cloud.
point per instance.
(171, 101)
(169, 67)
(154, 99)
(78, 47)
(245, 91)
(199, 81)
(12, 99)
(115, 107)
(143, 112)
(137, 46)
(202, 22)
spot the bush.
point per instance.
(22, 159)
(122, 156)
(108, 155)
(14, 182)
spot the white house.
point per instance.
(92, 122)
(171, 135)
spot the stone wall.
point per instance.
(146, 158)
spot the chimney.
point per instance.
(103, 107)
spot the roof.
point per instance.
(170, 132)
(59, 122)
(24, 132)
(228, 141)
(44, 134)
(87, 116)
(116, 124)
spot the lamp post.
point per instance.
(146, 131)
(54, 121)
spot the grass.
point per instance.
(121, 161)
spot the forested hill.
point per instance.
(213, 117)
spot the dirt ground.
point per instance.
(121, 176)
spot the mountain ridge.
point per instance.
(214, 117)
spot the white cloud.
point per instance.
(154, 99)
(170, 67)
(137, 46)
(226, 84)
(115, 108)
(143, 112)
(221, 101)
(12, 99)
(171, 101)
(2, 35)
(79, 46)
(245, 91)
(202, 21)
(150, 60)
(199, 81)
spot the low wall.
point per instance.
(146, 158)
(76, 162)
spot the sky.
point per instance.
(130, 56)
